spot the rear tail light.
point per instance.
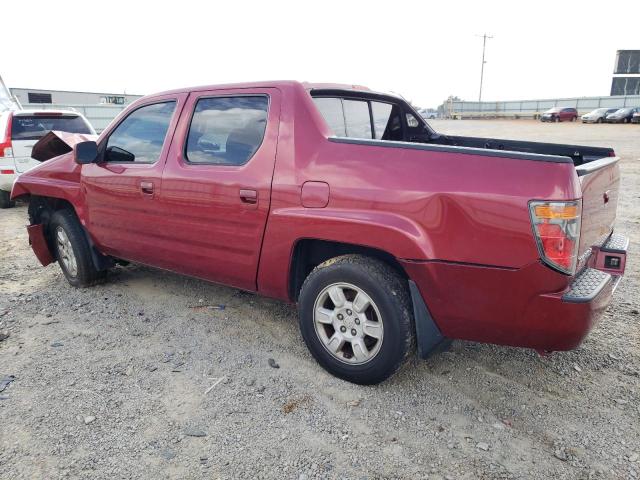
(6, 149)
(556, 227)
(7, 172)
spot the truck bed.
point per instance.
(580, 154)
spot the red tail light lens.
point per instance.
(556, 227)
(6, 149)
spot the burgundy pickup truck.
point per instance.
(387, 234)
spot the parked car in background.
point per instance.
(598, 115)
(20, 130)
(635, 118)
(428, 115)
(559, 114)
(622, 115)
(417, 238)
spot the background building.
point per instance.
(32, 96)
(626, 73)
(98, 108)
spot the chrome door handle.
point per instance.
(249, 196)
(146, 188)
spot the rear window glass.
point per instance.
(331, 110)
(356, 114)
(34, 127)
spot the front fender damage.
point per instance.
(39, 244)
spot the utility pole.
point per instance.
(484, 47)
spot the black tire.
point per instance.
(599, 120)
(5, 199)
(390, 293)
(557, 119)
(86, 273)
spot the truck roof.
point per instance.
(276, 84)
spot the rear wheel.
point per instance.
(5, 199)
(356, 318)
(72, 250)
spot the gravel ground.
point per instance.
(153, 375)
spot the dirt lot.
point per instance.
(153, 375)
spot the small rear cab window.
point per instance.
(33, 127)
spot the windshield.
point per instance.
(598, 110)
(553, 110)
(33, 127)
(623, 110)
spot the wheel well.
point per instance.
(42, 208)
(309, 253)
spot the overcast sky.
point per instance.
(423, 50)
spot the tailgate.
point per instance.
(22, 154)
(600, 181)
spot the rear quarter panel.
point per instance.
(413, 204)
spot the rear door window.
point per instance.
(227, 130)
(33, 127)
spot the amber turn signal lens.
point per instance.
(560, 212)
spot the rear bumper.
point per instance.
(533, 307)
(6, 181)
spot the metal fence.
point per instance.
(98, 115)
(533, 108)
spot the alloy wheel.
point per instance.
(348, 323)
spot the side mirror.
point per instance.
(85, 152)
(118, 155)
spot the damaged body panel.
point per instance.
(54, 144)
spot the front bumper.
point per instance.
(533, 306)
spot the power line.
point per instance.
(484, 47)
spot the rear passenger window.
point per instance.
(226, 130)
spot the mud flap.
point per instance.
(428, 335)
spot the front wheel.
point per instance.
(5, 199)
(557, 119)
(599, 120)
(72, 250)
(356, 318)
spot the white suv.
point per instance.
(20, 130)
